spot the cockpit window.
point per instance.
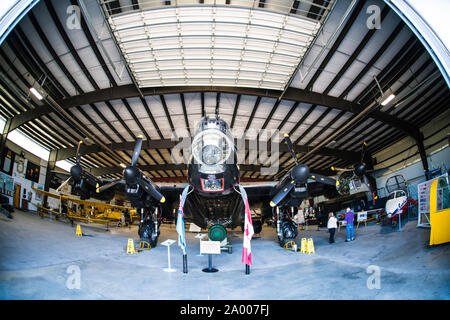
(212, 145)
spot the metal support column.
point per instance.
(422, 152)
(5, 133)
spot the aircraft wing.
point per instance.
(316, 189)
(100, 205)
(266, 193)
(258, 193)
(172, 194)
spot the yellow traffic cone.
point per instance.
(311, 246)
(130, 247)
(304, 246)
(78, 232)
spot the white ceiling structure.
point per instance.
(212, 45)
(149, 68)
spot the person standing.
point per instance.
(332, 225)
(349, 218)
(299, 218)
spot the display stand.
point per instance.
(341, 223)
(200, 236)
(210, 269)
(168, 243)
(362, 217)
(210, 248)
(399, 222)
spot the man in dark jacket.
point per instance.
(349, 218)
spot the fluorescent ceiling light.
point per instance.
(387, 100)
(36, 93)
(123, 165)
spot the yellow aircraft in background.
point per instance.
(86, 210)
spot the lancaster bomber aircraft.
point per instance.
(214, 201)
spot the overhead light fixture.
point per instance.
(123, 165)
(36, 93)
(387, 100)
(384, 94)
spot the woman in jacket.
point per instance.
(332, 225)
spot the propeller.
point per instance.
(341, 169)
(282, 193)
(324, 179)
(299, 175)
(134, 176)
(360, 170)
(363, 151)
(107, 185)
(136, 151)
(290, 146)
(79, 152)
(63, 185)
(76, 171)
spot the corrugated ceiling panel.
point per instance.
(169, 32)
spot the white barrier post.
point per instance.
(168, 243)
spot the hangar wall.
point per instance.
(19, 177)
(403, 158)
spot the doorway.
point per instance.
(17, 194)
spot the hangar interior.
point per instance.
(344, 82)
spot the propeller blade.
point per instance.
(63, 184)
(136, 151)
(151, 190)
(363, 151)
(291, 148)
(281, 194)
(324, 179)
(107, 186)
(340, 169)
(79, 152)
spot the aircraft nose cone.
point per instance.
(130, 175)
(360, 169)
(75, 171)
(300, 173)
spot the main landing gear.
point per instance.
(286, 228)
(149, 228)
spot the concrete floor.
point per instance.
(37, 256)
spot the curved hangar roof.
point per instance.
(114, 70)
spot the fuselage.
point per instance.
(213, 175)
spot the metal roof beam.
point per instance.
(167, 144)
(111, 170)
(129, 91)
